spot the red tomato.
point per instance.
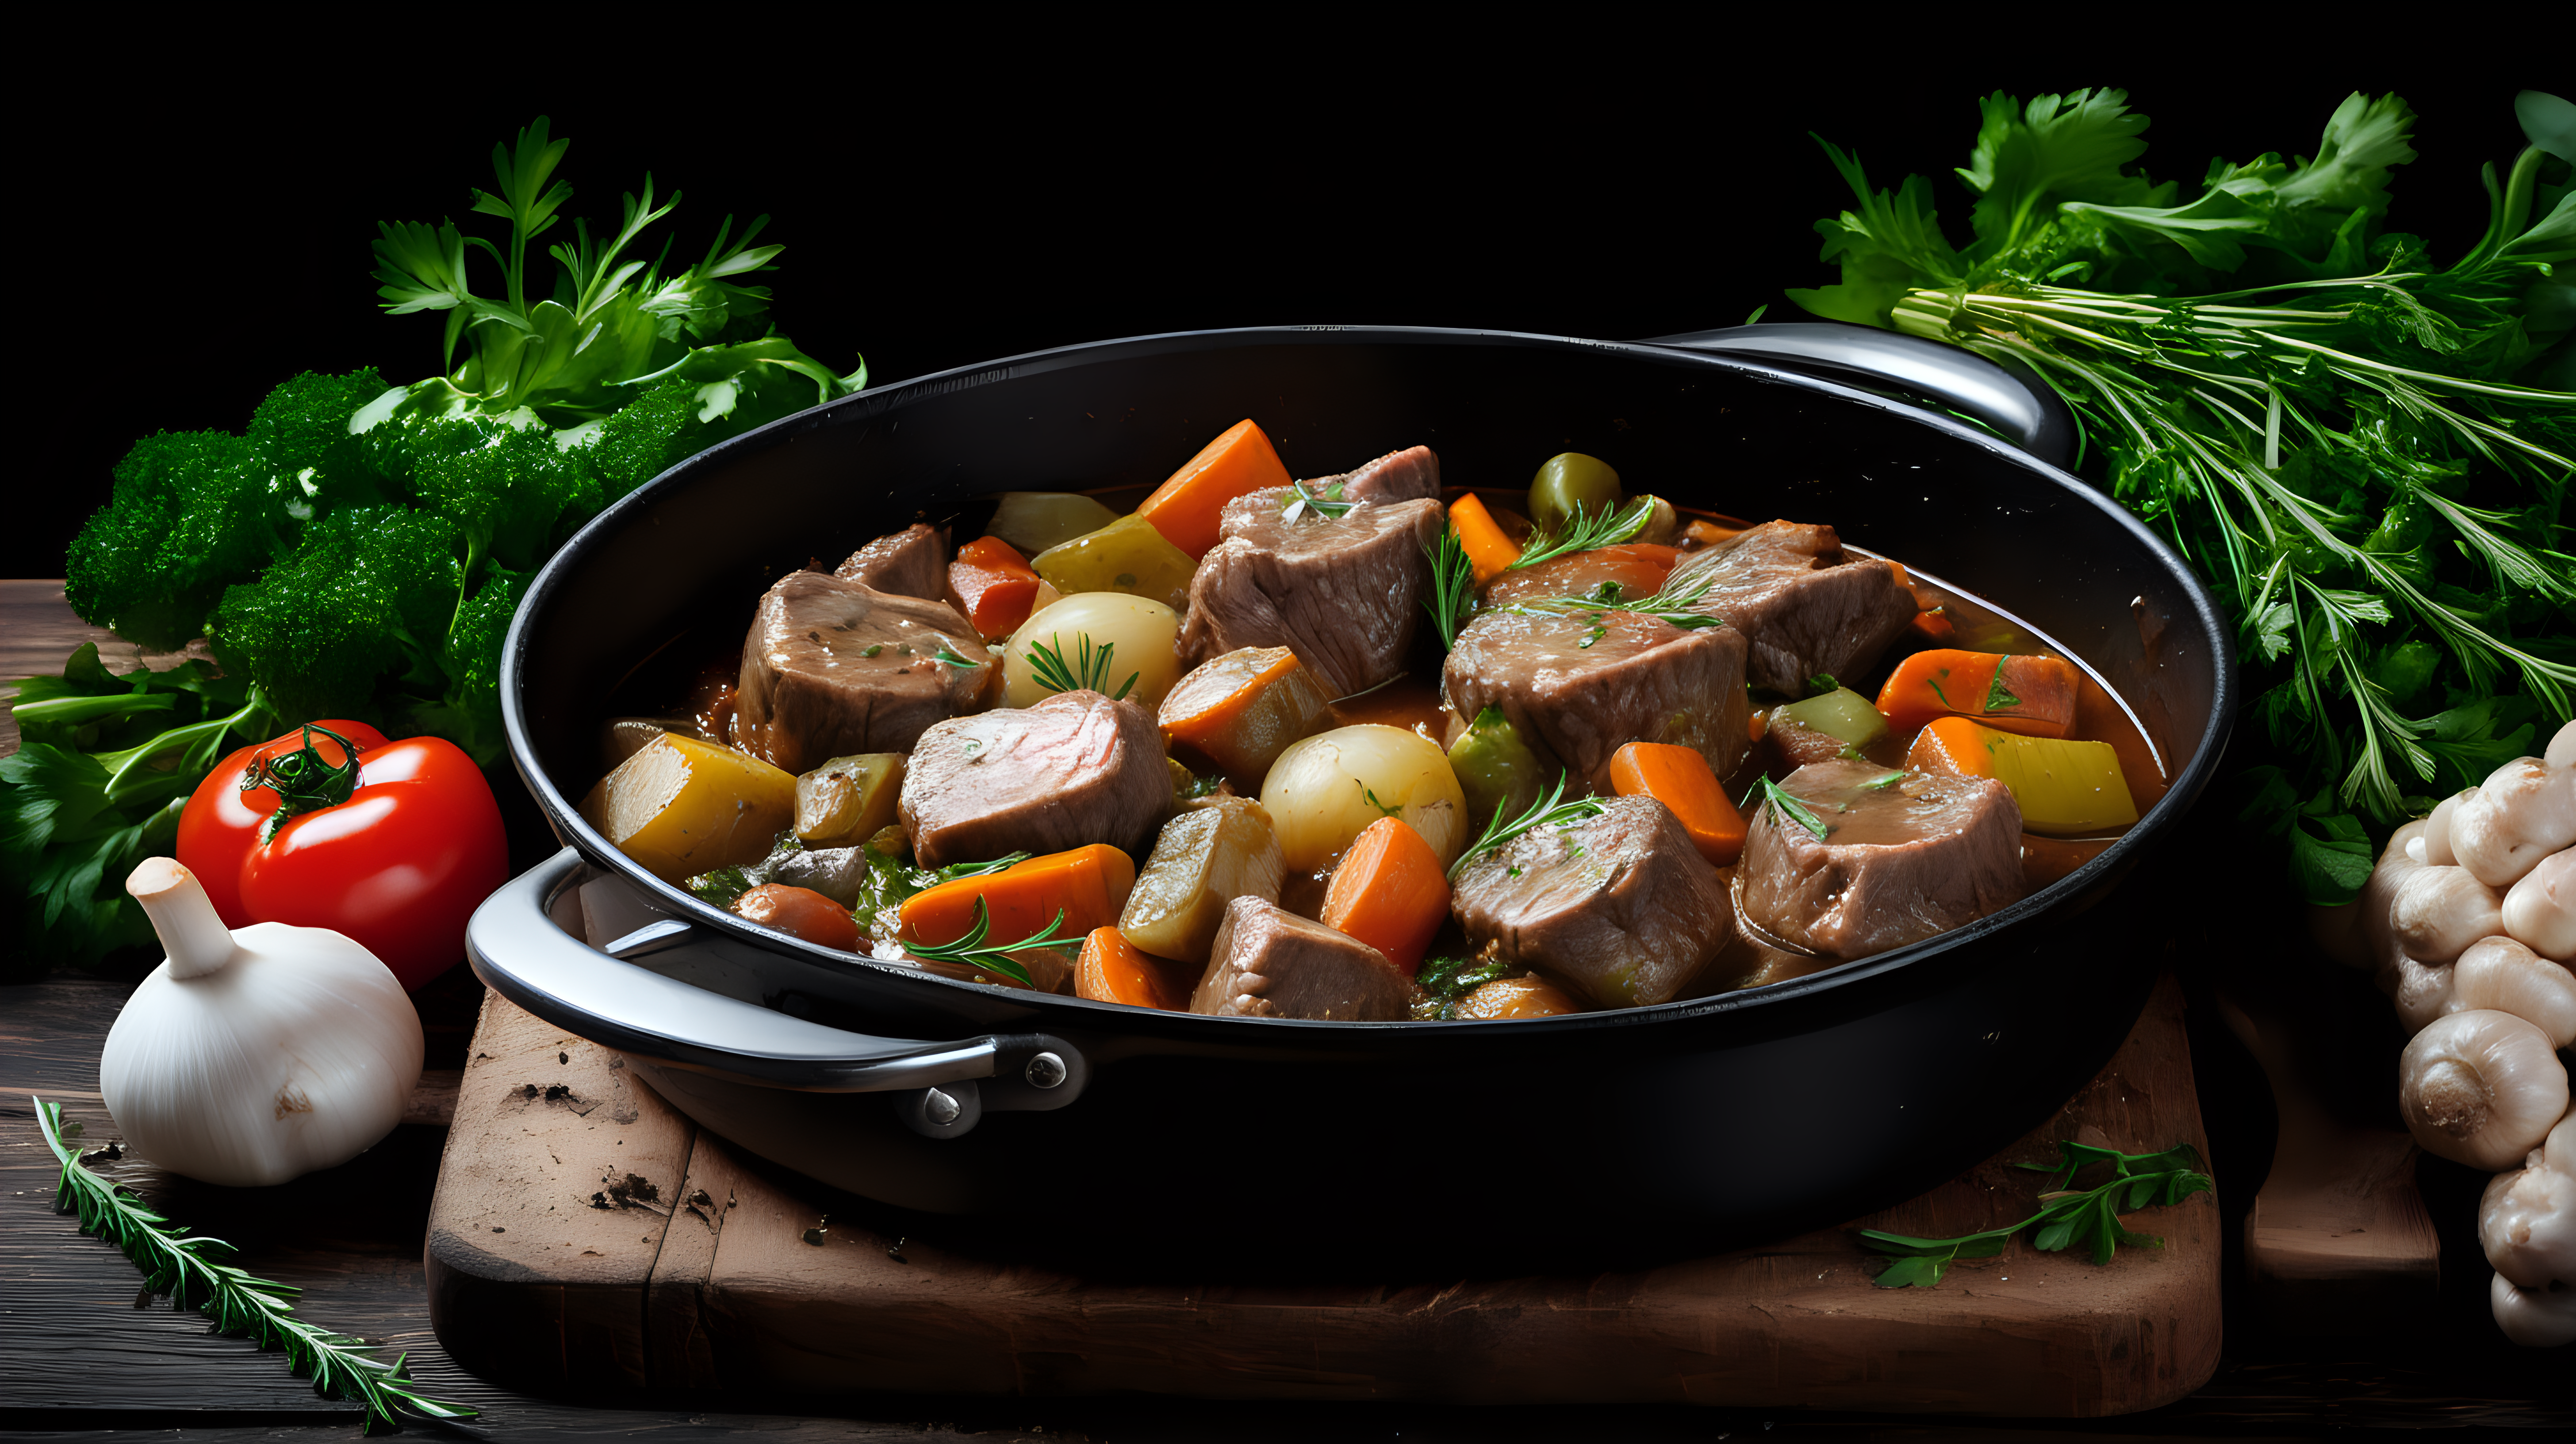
(398, 867)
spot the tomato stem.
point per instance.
(304, 780)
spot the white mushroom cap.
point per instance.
(2523, 812)
(2527, 1220)
(2541, 909)
(2439, 911)
(2534, 1318)
(2481, 1088)
(2502, 974)
(2562, 748)
(2436, 849)
(2394, 868)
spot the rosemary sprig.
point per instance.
(193, 1272)
(2089, 1218)
(1548, 811)
(1327, 503)
(1677, 607)
(1453, 586)
(1583, 534)
(970, 951)
(1774, 795)
(1089, 671)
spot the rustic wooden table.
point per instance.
(82, 1352)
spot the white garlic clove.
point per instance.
(2481, 1088)
(2523, 812)
(2527, 1225)
(2439, 911)
(2422, 991)
(2502, 974)
(293, 1049)
(2377, 895)
(2534, 1318)
(2541, 909)
(2562, 747)
(2437, 832)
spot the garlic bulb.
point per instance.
(252, 1057)
(2481, 1088)
(2502, 974)
(2541, 909)
(2523, 812)
(2527, 1225)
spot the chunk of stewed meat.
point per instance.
(1584, 683)
(1619, 906)
(1412, 474)
(834, 667)
(1073, 770)
(1905, 855)
(1637, 569)
(1804, 604)
(1344, 593)
(911, 563)
(1271, 963)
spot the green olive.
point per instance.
(1568, 480)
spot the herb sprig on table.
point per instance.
(2366, 452)
(193, 1271)
(2087, 1219)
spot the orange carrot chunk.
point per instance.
(991, 586)
(1489, 552)
(800, 912)
(1184, 509)
(1241, 709)
(1680, 779)
(1114, 970)
(1089, 885)
(1704, 533)
(1934, 627)
(1390, 892)
(1954, 746)
(2031, 696)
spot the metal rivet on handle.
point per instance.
(1046, 1070)
(939, 1107)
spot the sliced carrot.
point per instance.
(1390, 892)
(992, 587)
(1704, 533)
(1680, 779)
(1089, 885)
(2032, 696)
(1184, 509)
(800, 912)
(1489, 552)
(1114, 970)
(1934, 626)
(1241, 709)
(1952, 745)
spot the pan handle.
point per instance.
(2012, 401)
(519, 952)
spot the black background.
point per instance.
(195, 206)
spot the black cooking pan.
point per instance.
(1058, 1124)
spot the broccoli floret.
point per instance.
(368, 592)
(191, 513)
(645, 437)
(473, 658)
(301, 434)
(511, 491)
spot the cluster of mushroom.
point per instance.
(2470, 923)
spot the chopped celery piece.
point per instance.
(1841, 713)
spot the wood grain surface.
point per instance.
(585, 1233)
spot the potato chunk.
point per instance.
(1242, 709)
(1128, 555)
(681, 807)
(1206, 858)
(843, 802)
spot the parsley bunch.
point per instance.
(2365, 452)
(2087, 1219)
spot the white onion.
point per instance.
(1320, 792)
(1141, 635)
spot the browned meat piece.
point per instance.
(834, 667)
(1905, 855)
(1639, 570)
(1412, 474)
(911, 563)
(1620, 906)
(1787, 746)
(1802, 603)
(1271, 963)
(1073, 770)
(1641, 679)
(1344, 592)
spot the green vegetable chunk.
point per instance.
(1841, 713)
(1567, 481)
(1497, 768)
(1128, 555)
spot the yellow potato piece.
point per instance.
(1128, 555)
(681, 807)
(2065, 787)
(846, 800)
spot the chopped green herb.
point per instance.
(1447, 980)
(872, 649)
(970, 951)
(1453, 586)
(1327, 503)
(1549, 811)
(1934, 682)
(2089, 1219)
(951, 658)
(1881, 784)
(1370, 795)
(1996, 697)
(1822, 682)
(1583, 534)
(1774, 795)
(1089, 672)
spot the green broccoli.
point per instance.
(191, 513)
(300, 434)
(368, 592)
(642, 440)
(511, 491)
(471, 715)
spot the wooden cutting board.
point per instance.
(585, 1235)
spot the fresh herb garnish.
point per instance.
(1934, 682)
(952, 659)
(1822, 683)
(1327, 503)
(2089, 1219)
(1882, 783)
(1453, 586)
(1997, 698)
(1449, 979)
(194, 1272)
(1675, 607)
(1774, 795)
(872, 649)
(1369, 795)
(1088, 673)
(1548, 811)
(1583, 533)
(970, 951)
